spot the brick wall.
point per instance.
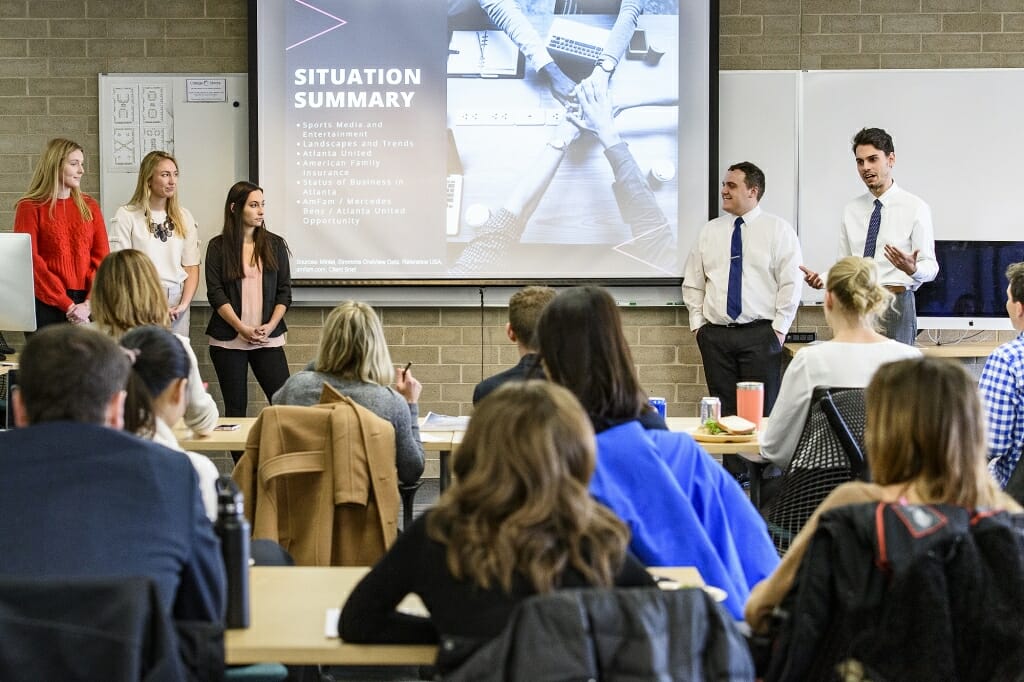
(52, 50)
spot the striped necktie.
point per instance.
(873, 226)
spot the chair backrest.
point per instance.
(830, 452)
(85, 628)
(626, 633)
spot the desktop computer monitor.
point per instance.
(17, 294)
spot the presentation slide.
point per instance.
(477, 140)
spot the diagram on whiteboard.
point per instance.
(142, 119)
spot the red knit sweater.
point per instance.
(66, 250)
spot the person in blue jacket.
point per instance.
(681, 506)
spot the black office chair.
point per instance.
(830, 452)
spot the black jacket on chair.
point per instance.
(618, 634)
(907, 592)
(85, 629)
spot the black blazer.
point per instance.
(277, 288)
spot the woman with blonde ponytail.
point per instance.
(853, 301)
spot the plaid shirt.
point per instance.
(1002, 390)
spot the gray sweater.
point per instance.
(304, 388)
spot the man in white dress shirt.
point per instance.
(893, 227)
(741, 285)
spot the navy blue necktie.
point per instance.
(734, 299)
(873, 226)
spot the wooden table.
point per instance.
(219, 441)
(288, 607)
(216, 441)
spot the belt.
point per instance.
(895, 288)
(736, 325)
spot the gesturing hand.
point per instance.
(901, 260)
(812, 278)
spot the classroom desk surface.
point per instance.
(946, 350)
(288, 608)
(219, 441)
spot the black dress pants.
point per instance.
(269, 366)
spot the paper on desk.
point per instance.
(331, 623)
(411, 606)
(443, 422)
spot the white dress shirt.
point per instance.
(771, 273)
(906, 224)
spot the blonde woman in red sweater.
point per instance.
(69, 238)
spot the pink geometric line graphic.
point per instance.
(341, 22)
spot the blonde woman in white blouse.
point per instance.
(155, 223)
(853, 300)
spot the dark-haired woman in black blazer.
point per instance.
(248, 283)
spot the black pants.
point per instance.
(269, 366)
(749, 352)
(48, 314)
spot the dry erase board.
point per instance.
(201, 119)
(956, 133)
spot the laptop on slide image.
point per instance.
(576, 47)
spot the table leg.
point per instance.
(445, 474)
(754, 471)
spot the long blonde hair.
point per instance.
(925, 428)
(520, 504)
(143, 192)
(46, 178)
(352, 345)
(127, 293)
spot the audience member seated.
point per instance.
(353, 358)
(1002, 388)
(925, 445)
(518, 521)
(524, 307)
(853, 300)
(127, 293)
(81, 498)
(157, 390)
(681, 507)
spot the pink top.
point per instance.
(252, 306)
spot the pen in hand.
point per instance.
(406, 370)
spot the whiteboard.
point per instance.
(757, 121)
(957, 137)
(141, 112)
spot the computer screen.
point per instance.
(970, 289)
(17, 294)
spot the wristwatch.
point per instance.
(608, 64)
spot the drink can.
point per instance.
(710, 408)
(659, 404)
